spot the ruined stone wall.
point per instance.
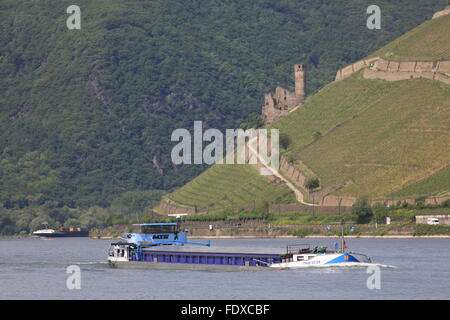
(284, 99)
(304, 208)
(377, 68)
(403, 70)
(332, 200)
(170, 208)
(325, 198)
(427, 201)
(292, 173)
(412, 66)
(355, 67)
(436, 200)
(270, 111)
(397, 66)
(442, 13)
(345, 201)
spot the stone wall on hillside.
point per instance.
(442, 13)
(171, 208)
(292, 173)
(403, 70)
(412, 66)
(355, 67)
(304, 208)
(378, 68)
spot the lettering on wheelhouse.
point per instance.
(160, 236)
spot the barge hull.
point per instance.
(182, 266)
(63, 235)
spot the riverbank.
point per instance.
(259, 228)
(402, 227)
(400, 236)
(324, 236)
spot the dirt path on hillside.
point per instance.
(298, 194)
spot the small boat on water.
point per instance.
(165, 246)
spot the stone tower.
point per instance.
(300, 89)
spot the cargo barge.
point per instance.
(165, 246)
(62, 232)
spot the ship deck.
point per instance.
(216, 249)
(218, 256)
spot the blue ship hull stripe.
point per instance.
(343, 258)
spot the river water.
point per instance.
(36, 269)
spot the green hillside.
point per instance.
(374, 137)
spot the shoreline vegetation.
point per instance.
(363, 221)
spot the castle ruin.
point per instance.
(283, 101)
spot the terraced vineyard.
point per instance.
(390, 142)
(436, 184)
(231, 187)
(330, 107)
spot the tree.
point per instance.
(362, 210)
(6, 225)
(285, 141)
(266, 206)
(380, 212)
(312, 183)
(71, 223)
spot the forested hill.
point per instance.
(86, 115)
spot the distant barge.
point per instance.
(164, 246)
(62, 232)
